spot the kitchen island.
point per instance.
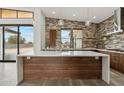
(63, 65)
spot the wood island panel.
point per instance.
(38, 68)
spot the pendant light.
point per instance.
(61, 21)
(88, 22)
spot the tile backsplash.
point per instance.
(115, 41)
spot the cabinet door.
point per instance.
(111, 60)
(115, 60)
(121, 64)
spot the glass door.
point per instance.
(25, 39)
(15, 40)
(10, 42)
(1, 42)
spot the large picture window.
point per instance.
(1, 43)
(26, 39)
(10, 42)
(15, 40)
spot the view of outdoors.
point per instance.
(1, 43)
(71, 39)
(26, 39)
(65, 38)
(11, 41)
(15, 41)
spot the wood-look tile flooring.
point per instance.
(117, 79)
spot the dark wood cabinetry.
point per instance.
(116, 60)
(122, 19)
(121, 63)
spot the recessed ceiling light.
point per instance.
(74, 14)
(94, 17)
(53, 12)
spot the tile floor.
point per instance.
(7, 74)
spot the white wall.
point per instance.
(39, 30)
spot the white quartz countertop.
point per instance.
(64, 53)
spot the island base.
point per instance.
(38, 68)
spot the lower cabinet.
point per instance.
(121, 63)
(116, 60)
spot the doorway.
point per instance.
(15, 40)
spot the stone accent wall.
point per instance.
(93, 35)
(114, 41)
(89, 33)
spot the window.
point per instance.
(65, 38)
(1, 43)
(0, 13)
(22, 14)
(77, 37)
(26, 39)
(8, 13)
(71, 39)
(10, 42)
(15, 40)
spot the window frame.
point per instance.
(16, 14)
(25, 17)
(0, 13)
(71, 37)
(3, 41)
(10, 10)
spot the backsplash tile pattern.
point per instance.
(115, 41)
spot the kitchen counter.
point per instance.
(88, 49)
(60, 64)
(110, 50)
(64, 53)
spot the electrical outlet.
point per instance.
(96, 58)
(28, 57)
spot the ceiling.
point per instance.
(101, 13)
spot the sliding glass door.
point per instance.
(10, 42)
(26, 39)
(15, 40)
(1, 42)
